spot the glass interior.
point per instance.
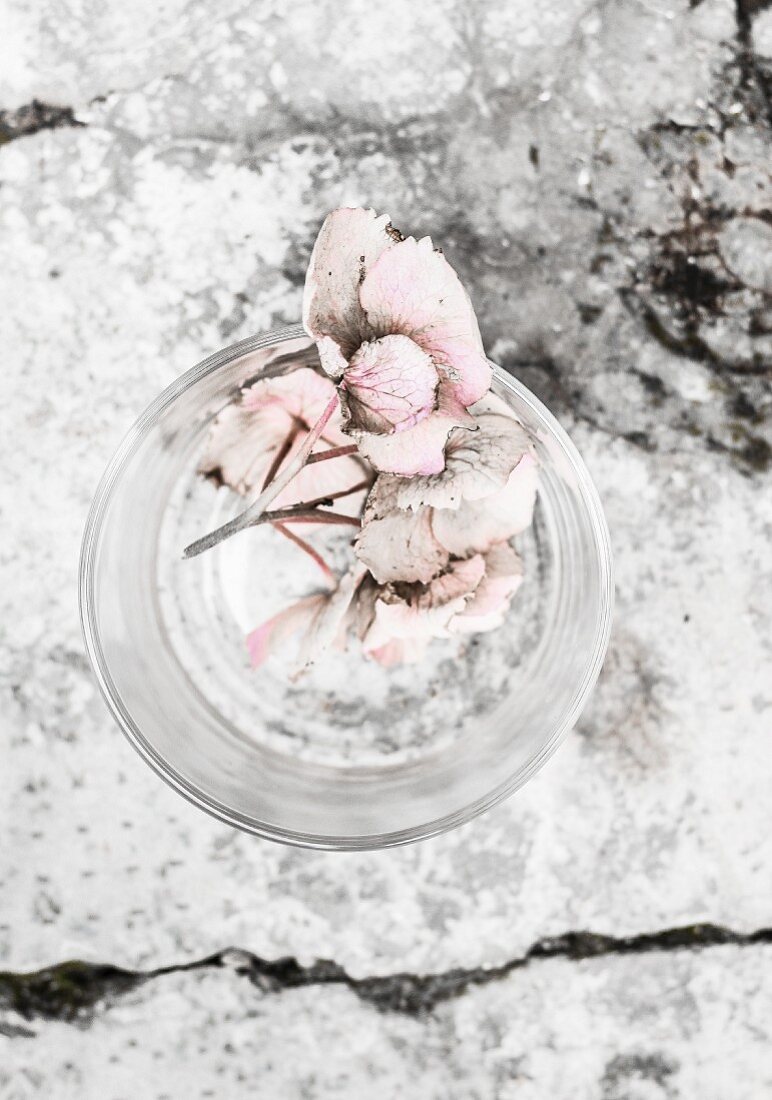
(353, 755)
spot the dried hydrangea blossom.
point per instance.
(404, 374)
(396, 330)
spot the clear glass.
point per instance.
(452, 738)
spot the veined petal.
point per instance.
(424, 613)
(390, 385)
(489, 604)
(477, 464)
(246, 435)
(273, 634)
(478, 524)
(349, 243)
(412, 289)
(421, 449)
(397, 545)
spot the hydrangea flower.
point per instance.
(403, 374)
(396, 330)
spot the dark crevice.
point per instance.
(687, 342)
(753, 451)
(33, 117)
(745, 10)
(755, 75)
(71, 991)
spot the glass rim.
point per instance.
(193, 793)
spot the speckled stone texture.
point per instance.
(600, 176)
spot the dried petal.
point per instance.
(247, 436)
(329, 624)
(320, 618)
(273, 634)
(349, 243)
(397, 545)
(477, 464)
(427, 611)
(367, 292)
(390, 385)
(421, 449)
(461, 579)
(478, 524)
(489, 604)
(413, 290)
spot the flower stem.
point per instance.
(301, 514)
(279, 457)
(269, 494)
(330, 497)
(333, 452)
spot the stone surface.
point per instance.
(599, 174)
(646, 1028)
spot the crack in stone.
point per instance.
(755, 77)
(33, 117)
(688, 343)
(70, 991)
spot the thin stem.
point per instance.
(280, 455)
(305, 515)
(333, 452)
(269, 494)
(307, 548)
(330, 497)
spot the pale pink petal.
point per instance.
(331, 357)
(273, 634)
(322, 479)
(426, 612)
(412, 289)
(460, 580)
(488, 606)
(349, 243)
(303, 394)
(240, 447)
(478, 524)
(390, 385)
(329, 621)
(397, 545)
(401, 651)
(418, 450)
(319, 619)
(400, 621)
(246, 435)
(477, 464)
